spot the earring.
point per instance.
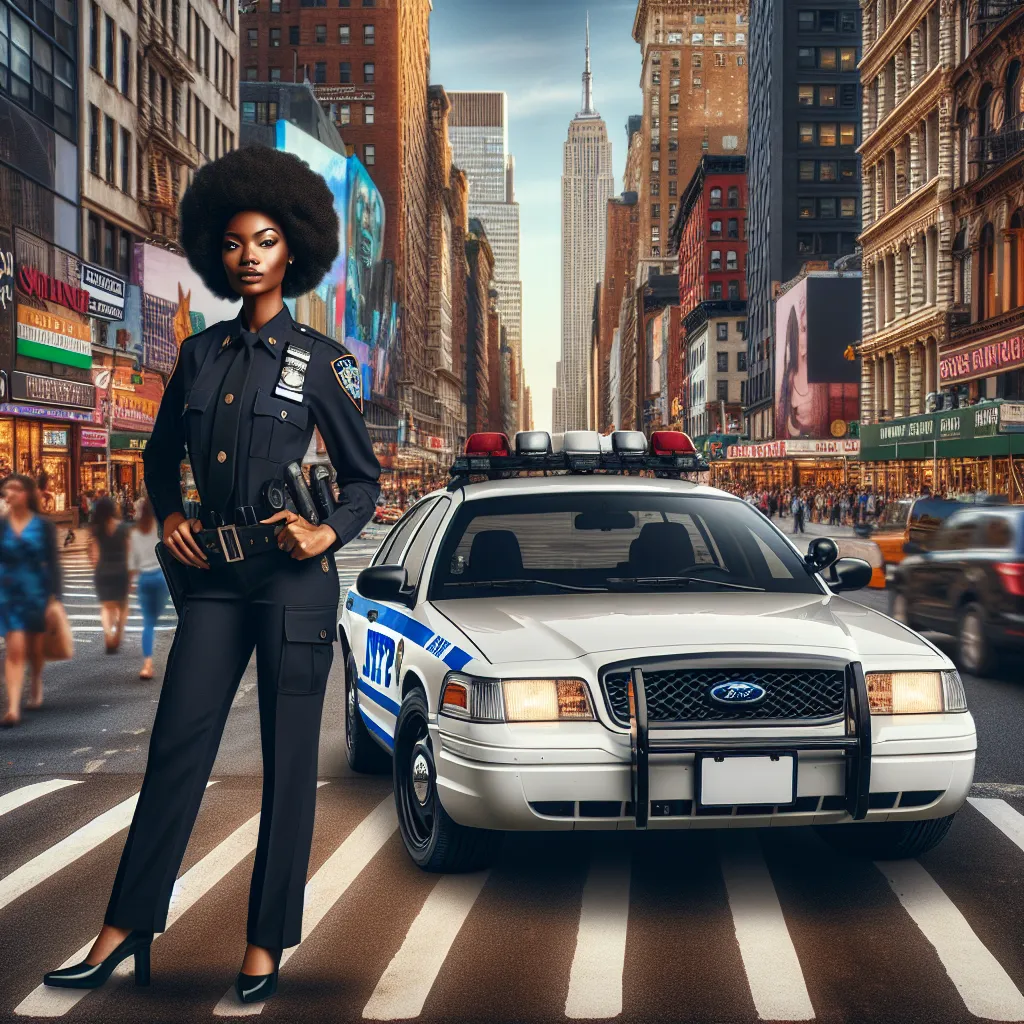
(291, 260)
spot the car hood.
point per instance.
(563, 627)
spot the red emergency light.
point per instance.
(671, 442)
(490, 444)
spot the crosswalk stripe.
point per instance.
(25, 794)
(188, 890)
(773, 970)
(1009, 821)
(595, 979)
(984, 986)
(328, 885)
(67, 851)
(406, 983)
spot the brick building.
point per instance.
(480, 259)
(368, 62)
(709, 235)
(694, 82)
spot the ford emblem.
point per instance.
(737, 693)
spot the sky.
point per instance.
(534, 51)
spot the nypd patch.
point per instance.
(346, 369)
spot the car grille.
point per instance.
(681, 694)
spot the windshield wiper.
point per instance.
(527, 583)
(681, 581)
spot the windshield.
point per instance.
(588, 542)
(894, 515)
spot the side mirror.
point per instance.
(849, 574)
(911, 547)
(385, 583)
(821, 553)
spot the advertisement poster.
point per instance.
(816, 384)
(137, 395)
(126, 334)
(354, 298)
(175, 304)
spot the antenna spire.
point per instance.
(588, 81)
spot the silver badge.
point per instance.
(293, 373)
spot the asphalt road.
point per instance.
(696, 926)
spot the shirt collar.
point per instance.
(272, 335)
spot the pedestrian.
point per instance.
(108, 552)
(150, 585)
(30, 578)
(243, 401)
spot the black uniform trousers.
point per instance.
(287, 610)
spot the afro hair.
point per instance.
(275, 183)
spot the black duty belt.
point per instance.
(237, 543)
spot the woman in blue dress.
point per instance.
(30, 578)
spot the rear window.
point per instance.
(583, 542)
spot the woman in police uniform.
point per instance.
(242, 402)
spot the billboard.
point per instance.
(353, 303)
(817, 372)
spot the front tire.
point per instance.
(888, 840)
(975, 654)
(364, 753)
(433, 840)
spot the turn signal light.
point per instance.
(905, 693)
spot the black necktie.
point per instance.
(224, 454)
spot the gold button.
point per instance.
(226, 341)
(323, 634)
(284, 414)
(228, 399)
(272, 341)
(222, 456)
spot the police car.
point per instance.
(572, 635)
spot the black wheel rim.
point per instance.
(415, 781)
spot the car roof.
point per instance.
(600, 482)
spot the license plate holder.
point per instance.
(755, 778)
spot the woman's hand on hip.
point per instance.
(301, 538)
(178, 536)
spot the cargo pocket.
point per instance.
(307, 651)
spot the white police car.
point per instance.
(589, 647)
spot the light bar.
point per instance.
(672, 442)
(629, 445)
(487, 444)
(534, 443)
(582, 449)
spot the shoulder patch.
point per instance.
(350, 377)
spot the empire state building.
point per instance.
(587, 184)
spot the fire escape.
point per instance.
(164, 151)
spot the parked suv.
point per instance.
(969, 582)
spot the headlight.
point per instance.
(516, 700)
(915, 693)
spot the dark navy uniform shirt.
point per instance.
(244, 405)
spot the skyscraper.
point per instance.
(587, 185)
(478, 131)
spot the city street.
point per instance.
(692, 926)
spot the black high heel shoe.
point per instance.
(255, 988)
(86, 975)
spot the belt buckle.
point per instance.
(230, 545)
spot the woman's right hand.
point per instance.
(178, 536)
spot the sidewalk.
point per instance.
(814, 529)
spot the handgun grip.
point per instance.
(323, 494)
(296, 484)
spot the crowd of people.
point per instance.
(122, 550)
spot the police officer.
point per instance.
(243, 401)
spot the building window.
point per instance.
(826, 95)
(275, 38)
(848, 21)
(715, 289)
(697, 39)
(655, 211)
(94, 139)
(345, 73)
(827, 59)
(655, 166)
(697, 60)
(827, 208)
(807, 168)
(848, 95)
(655, 187)
(697, 82)
(94, 36)
(741, 358)
(293, 35)
(806, 209)
(827, 171)
(716, 260)
(848, 170)
(369, 155)
(806, 57)
(344, 35)
(805, 244)
(805, 95)
(368, 114)
(722, 334)
(275, 74)
(320, 72)
(741, 327)
(253, 35)
(806, 130)
(108, 140)
(806, 21)
(126, 63)
(716, 229)
(319, 33)
(827, 134)
(369, 3)
(734, 196)
(369, 35)
(248, 112)
(731, 261)
(719, 60)
(716, 197)
(848, 58)
(848, 207)
(722, 390)
(345, 113)
(734, 228)
(369, 74)
(126, 163)
(723, 357)
(740, 60)
(252, 74)
(673, 187)
(847, 135)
